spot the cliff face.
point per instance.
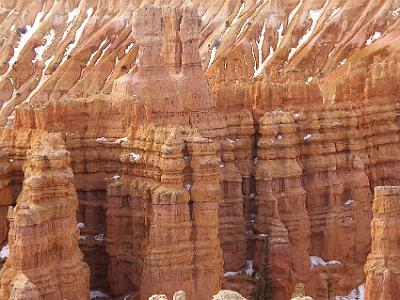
(382, 264)
(45, 260)
(196, 132)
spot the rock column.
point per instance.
(383, 265)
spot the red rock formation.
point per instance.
(382, 264)
(45, 261)
(97, 74)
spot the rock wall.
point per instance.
(381, 267)
(180, 180)
(45, 260)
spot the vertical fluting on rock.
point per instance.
(230, 212)
(205, 195)
(382, 266)
(45, 259)
(280, 167)
(6, 197)
(168, 256)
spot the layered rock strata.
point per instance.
(330, 66)
(45, 261)
(382, 268)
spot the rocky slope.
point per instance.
(195, 131)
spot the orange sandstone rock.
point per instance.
(45, 260)
(381, 267)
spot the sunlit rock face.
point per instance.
(43, 232)
(382, 265)
(199, 130)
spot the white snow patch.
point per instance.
(235, 19)
(80, 225)
(97, 295)
(134, 156)
(129, 48)
(41, 49)
(78, 34)
(249, 270)
(188, 186)
(256, 160)
(306, 137)
(260, 43)
(72, 15)
(374, 37)
(5, 252)
(279, 136)
(126, 297)
(25, 37)
(213, 55)
(353, 294)
(318, 261)
(231, 274)
(343, 62)
(294, 12)
(309, 80)
(230, 141)
(396, 12)
(71, 20)
(99, 237)
(120, 140)
(101, 139)
(83, 237)
(239, 13)
(94, 53)
(334, 12)
(115, 177)
(222, 166)
(349, 202)
(102, 53)
(314, 15)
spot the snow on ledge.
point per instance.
(374, 37)
(97, 295)
(353, 294)
(248, 271)
(349, 202)
(5, 251)
(317, 261)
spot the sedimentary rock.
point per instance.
(382, 268)
(222, 295)
(299, 293)
(319, 78)
(45, 260)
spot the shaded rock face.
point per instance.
(180, 180)
(45, 261)
(381, 267)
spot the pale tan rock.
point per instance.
(228, 295)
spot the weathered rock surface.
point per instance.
(382, 267)
(180, 180)
(222, 295)
(45, 261)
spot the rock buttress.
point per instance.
(45, 259)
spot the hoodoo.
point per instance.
(218, 148)
(45, 261)
(382, 267)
